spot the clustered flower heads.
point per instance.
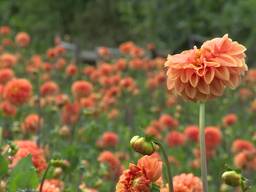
(202, 74)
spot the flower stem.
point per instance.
(1, 135)
(166, 161)
(44, 177)
(202, 147)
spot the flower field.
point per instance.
(132, 123)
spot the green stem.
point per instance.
(1, 135)
(202, 147)
(166, 161)
(44, 177)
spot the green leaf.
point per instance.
(155, 188)
(23, 176)
(3, 166)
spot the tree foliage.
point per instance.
(168, 23)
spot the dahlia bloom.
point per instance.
(192, 133)
(138, 178)
(213, 137)
(7, 60)
(186, 183)
(25, 148)
(6, 75)
(168, 121)
(49, 88)
(229, 119)
(108, 139)
(70, 113)
(114, 165)
(81, 89)
(175, 139)
(240, 145)
(152, 167)
(103, 52)
(31, 123)
(71, 70)
(5, 30)
(201, 74)
(52, 185)
(246, 160)
(18, 91)
(22, 39)
(8, 109)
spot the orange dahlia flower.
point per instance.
(52, 185)
(32, 123)
(18, 91)
(27, 147)
(49, 88)
(151, 166)
(6, 75)
(201, 74)
(186, 183)
(138, 178)
(22, 39)
(133, 180)
(81, 89)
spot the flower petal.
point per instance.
(209, 75)
(216, 88)
(194, 80)
(203, 87)
(222, 73)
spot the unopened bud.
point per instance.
(60, 163)
(143, 146)
(232, 178)
(57, 172)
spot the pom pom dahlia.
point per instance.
(18, 91)
(201, 74)
(186, 183)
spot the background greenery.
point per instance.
(167, 23)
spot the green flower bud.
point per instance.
(143, 146)
(59, 163)
(232, 178)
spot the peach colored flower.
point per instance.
(240, 145)
(133, 180)
(81, 89)
(168, 121)
(138, 178)
(18, 91)
(192, 133)
(49, 88)
(8, 109)
(52, 185)
(114, 165)
(5, 30)
(108, 139)
(6, 75)
(213, 137)
(151, 167)
(175, 139)
(70, 113)
(7, 60)
(201, 74)
(103, 52)
(31, 123)
(71, 70)
(246, 160)
(22, 39)
(229, 119)
(185, 183)
(25, 148)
